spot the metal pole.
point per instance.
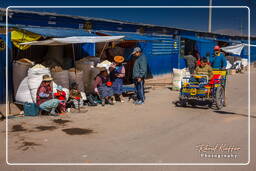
(210, 17)
(74, 57)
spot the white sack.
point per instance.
(178, 75)
(229, 65)
(23, 93)
(35, 77)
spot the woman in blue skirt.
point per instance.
(117, 74)
(103, 86)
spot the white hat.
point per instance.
(137, 49)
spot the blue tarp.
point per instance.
(129, 36)
(57, 32)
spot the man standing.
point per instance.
(190, 62)
(139, 74)
(218, 61)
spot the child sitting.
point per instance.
(61, 96)
(75, 96)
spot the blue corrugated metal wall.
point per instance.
(162, 55)
(2, 71)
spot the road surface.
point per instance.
(156, 132)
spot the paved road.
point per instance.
(157, 132)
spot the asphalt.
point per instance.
(156, 133)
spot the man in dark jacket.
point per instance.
(139, 74)
(190, 62)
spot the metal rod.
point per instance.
(103, 49)
(74, 58)
(210, 17)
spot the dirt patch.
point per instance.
(61, 121)
(46, 128)
(18, 128)
(77, 131)
(26, 145)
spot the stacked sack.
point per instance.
(20, 70)
(35, 77)
(60, 76)
(178, 75)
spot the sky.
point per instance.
(223, 20)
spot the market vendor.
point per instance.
(102, 86)
(117, 74)
(44, 96)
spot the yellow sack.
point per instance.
(18, 37)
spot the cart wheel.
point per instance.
(225, 100)
(219, 98)
(183, 103)
(193, 104)
(210, 105)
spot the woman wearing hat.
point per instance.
(44, 96)
(102, 86)
(117, 74)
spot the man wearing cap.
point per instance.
(218, 61)
(139, 73)
(44, 96)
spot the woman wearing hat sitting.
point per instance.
(102, 86)
(117, 74)
(44, 96)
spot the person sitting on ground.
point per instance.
(102, 86)
(75, 96)
(61, 95)
(203, 69)
(117, 74)
(44, 96)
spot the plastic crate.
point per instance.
(31, 109)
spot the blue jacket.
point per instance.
(218, 62)
(140, 67)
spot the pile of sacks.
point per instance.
(29, 85)
(178, 75)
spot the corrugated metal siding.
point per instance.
(2, 73)
(162, 55)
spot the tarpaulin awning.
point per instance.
(235, 49)
(128, 36)
(19, 37)
(74, 40)
(57, 32)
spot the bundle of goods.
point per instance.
(54, 88)
(56, 69)
(105, 64)
(76, 76)
(35, 76)
(178, 75)
(87, 65)
(20, 70)
(60, 76)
